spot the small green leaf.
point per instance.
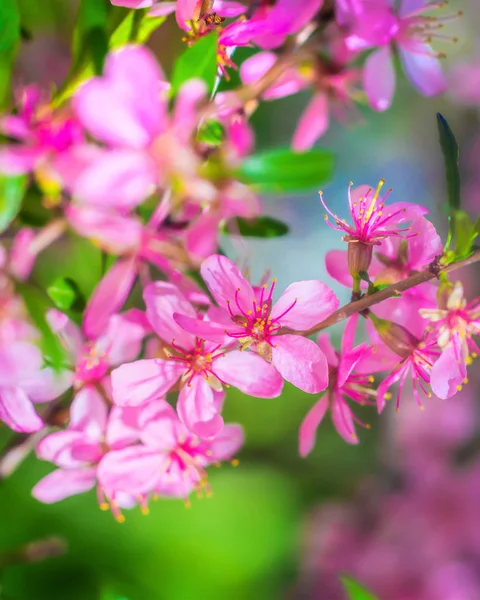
(9, 40)
(66, 295)
(211, 133)
(450, 151)
(198, 61)
(37, 305)
(264, 227)
(90, 37)
(356, 591)
(464, 234)
(12, 191)
(286, 171)
(131, 29)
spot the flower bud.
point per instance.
(359, 257)
(396, 337)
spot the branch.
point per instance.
(357, 306)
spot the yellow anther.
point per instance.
(235, 462)
(104, 506)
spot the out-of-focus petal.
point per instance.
(310, 423)
(17, 411)
(63, 483)
(379, 78)
(312, 124)
(423, 70)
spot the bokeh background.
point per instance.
(259, 536)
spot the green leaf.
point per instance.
(211, 133)
(66, 295)
(37, 305)
(197, 61)
(90, 37)
(9, 40)
(136, 27)
(286, 171)
(264, 227)
(12, 191)
(355, 591)
(464, 234)
(450, 151)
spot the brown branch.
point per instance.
(432, 271)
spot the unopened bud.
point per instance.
(396, 337)
(359, 257)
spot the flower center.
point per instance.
(198, 361)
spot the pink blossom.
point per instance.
(170, 461)
(91, 359)
(23, 381)
(370, 223)
(410, 31)
(453, 327)
(257, 322)
(92, 433)
(333, 91)
(40, 134)
(145, 146)
(203, 367)
(343, 382)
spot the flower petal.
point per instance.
(143, 380)
(198, 409)
(310, 423)
(379, 78)
(447, 373)
(312, 124)
(226, 443)
(301, 362)
(108, 297)
(88, 413)
(336, 264)
(226, 283)
(63, 483)
(249, 373)
(162, 300)
(17, 411)
(343, 421)
(423, 70)
(304, 304)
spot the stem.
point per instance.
(431, 272)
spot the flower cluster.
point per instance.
(133, 379)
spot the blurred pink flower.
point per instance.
(256, 322)
(343, 382)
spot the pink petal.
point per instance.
(134, 3)
(198, 410)
(88, 413)
(214, 331)
(312, 124)
(123, 339)
(69, 449)
(304, 304)
(336, 264)
(249, 373)
(17, 411)
(143, 380)
(226, 443)
(162, 300)
(69, 332)
(343, 421)
(228, 8)
(201, 236)
(290, 82)
(310, 423)
(19, 361)
(185, 118)
(301, 362)
(379, 78)
(62, 483)
(185, 12)
(348, 338)
(226, 283)
(18, 160)
(22, 258)
(46, 384)
(162, 9)
(327, 348)
(117, 112)
(447, 373)
(108, 297)
(161, 428)
(135, 471)
(123, 427)
(118, 178)
(423, 70)
(425, 246)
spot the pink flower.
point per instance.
(23, 381)
(370, 223)
(170, 461)
(333, 93)
(145, 146)
(343, 382)
(203, 367)
(410, 31)
(40, 134)
(453, 327)
(91, 359)
(91, 434)
(256, 322)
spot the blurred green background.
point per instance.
(246, 541)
